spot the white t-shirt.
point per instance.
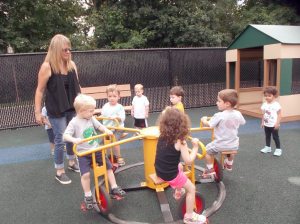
(113, 111)
(226, 124)
(139, 106)
(270, 111)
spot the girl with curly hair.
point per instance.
(174, 128)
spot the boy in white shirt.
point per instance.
(112, 109)
(140, 107)
(225, 124)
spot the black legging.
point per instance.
(274, 132)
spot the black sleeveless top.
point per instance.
(166, 160)
(60, 93)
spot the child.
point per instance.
(48, 129)
(84, 125)
(112, 109)
(140, 107)
(271, 110)
(176, 95)
(225, 124)
(174, 127)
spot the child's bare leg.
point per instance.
(117, 151)
(230, 157)
(111, 178)
(85, 182)
(209, 159)
(190, 197)
(228, 162)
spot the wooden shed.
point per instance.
(277, 49)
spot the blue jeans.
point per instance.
(59, 125)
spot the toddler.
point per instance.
(83, 126)
(112, 109)
(140, 107)
(271, 110)
(225, 124)
(176, 97)
(174, 127)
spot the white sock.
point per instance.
(114, 186)
(210, 166)
(228, 162)
(88, 194)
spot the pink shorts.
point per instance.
(179, 181)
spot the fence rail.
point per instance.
(200, 71)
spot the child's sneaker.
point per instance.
(74, 168)
(277, 152)
(121, 161)
(227, 165)
(208, 176)
(117, 193)
(196, 219)
(178, 193)
(89, 202)
(266, 149)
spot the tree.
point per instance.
(30, 24)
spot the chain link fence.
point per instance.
(200, 71)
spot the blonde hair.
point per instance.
(83, 101)
(229, 95)
(139, 86)
(112, 88)
(53, 56)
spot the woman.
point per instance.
(58, 79)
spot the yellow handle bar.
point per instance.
(203, 149)
(102, 147)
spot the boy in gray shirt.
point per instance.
(83, 126)
(225, 124)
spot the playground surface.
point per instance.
(258, 189)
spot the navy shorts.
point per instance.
(85, 162)
(140, 123)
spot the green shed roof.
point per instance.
(260, 35)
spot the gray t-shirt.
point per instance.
(226, 124)
(84, 128)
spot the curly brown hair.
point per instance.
(173, 125)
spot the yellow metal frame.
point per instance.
(150, 136)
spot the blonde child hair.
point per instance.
(112, 88)
(83, 101)
(139, 86)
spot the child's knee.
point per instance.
(86, 176)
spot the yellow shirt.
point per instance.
(179, 106)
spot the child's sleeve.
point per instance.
(121, 113)
(242, 119)
(214, 121)
(70, 130)
(97, 124)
